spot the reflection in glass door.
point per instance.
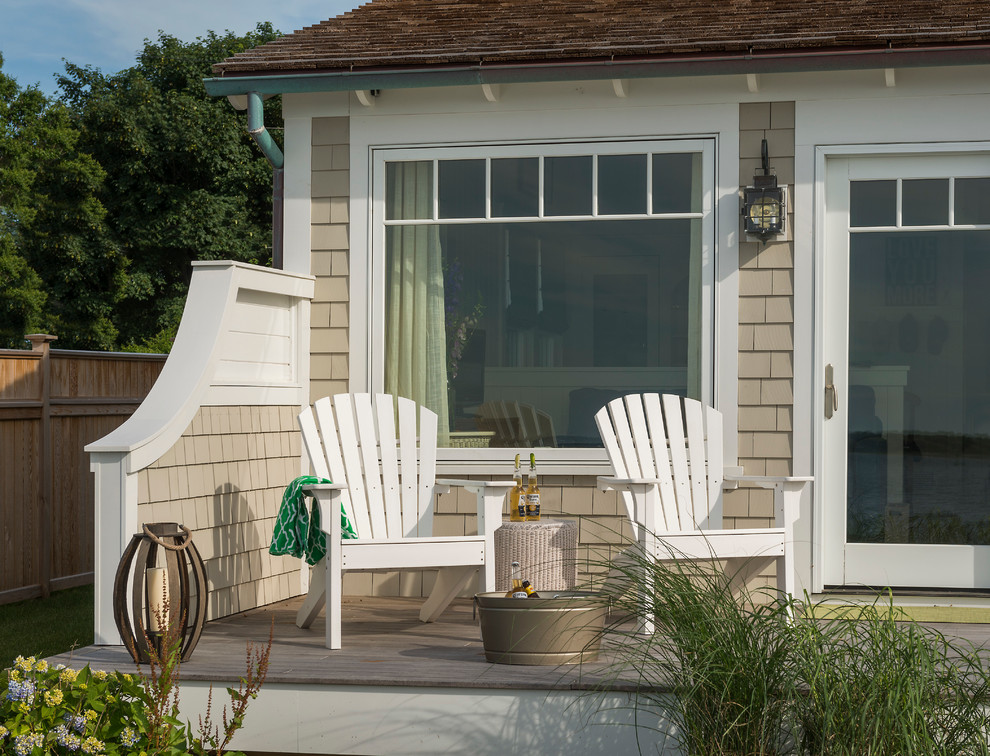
(917, 377)
(919, 388)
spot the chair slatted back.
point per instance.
(389, 475)
(675, 440)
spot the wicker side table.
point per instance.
(546, 552)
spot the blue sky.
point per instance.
(35, 35)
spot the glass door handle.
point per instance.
(831, 393)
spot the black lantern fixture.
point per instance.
(166, 579)
(764, 209)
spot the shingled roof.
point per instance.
(396, 34)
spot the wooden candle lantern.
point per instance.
(165, 576)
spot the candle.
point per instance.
(158, 598)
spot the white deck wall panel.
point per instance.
(216, 362)
(369, 721)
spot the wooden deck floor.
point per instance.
(384, 644)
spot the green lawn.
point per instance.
(43, 627)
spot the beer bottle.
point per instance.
(530, 592)
(516, 590)
(532, 493)
(517, 498)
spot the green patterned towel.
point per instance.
(297, 527)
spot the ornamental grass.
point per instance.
(737, 672)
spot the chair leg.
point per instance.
(334, 581)
(617, 579)
(316, 598)
(646, 625)
(449, 582)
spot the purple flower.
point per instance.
(24, 744)
(20, 691)
(66, 739)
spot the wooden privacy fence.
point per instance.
(52, 403)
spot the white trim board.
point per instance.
(379, 721)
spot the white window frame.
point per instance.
(553, 460)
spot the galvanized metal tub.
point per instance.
(563, 628)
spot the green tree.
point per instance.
(21, 293)
(58, 273)
(22, 297)
(183, 180)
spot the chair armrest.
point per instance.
(327, 495)
(313, 488)
(475, 485)
(786, 494)
(769, 481)
(489, 495)
(606, 483)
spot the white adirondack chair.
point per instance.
(386, 483)
(667, 456)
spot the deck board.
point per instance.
(384, 644)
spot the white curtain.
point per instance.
(415, 341)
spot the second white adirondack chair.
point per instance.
(666, 452)
(385, 481)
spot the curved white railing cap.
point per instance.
(208, 319)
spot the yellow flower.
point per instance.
(15, 675)
(24, 664)
(92, 745)
(83, 686)
(41, 666)
(99, 674)
(128, 678)
(53, 697)
(24, 707)
(91, 715)
(68, 675)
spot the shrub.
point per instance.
(56, 710)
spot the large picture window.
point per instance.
(525, 287)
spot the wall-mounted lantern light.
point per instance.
(764, 208)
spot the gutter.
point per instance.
(795, 61)
(256, 128)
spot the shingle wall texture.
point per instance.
(224, 480)
(330, 257)
(766, 324)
